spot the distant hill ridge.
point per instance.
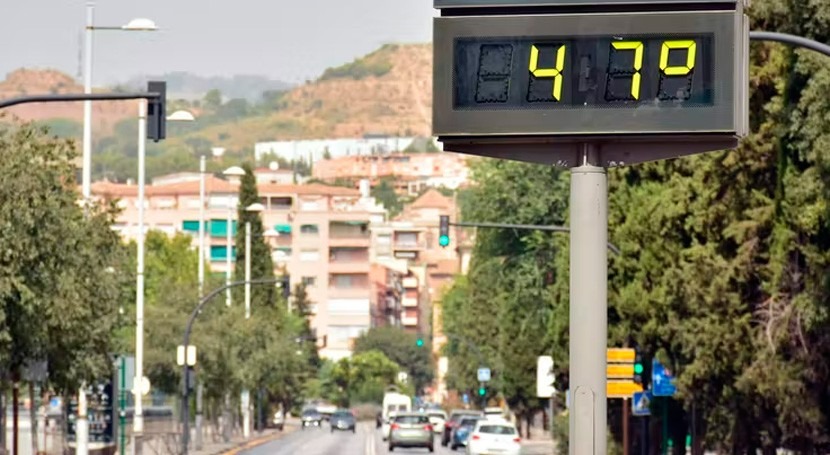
(388, 91)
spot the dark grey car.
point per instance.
(411, 429)
(342, 420)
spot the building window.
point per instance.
(406, 239)
(341, 334)
(309, 229)
(309, 281)
(309, 255)
(219, 253)
(281, 254)
(350, 281)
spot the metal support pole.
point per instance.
(87, 139)
(185, 406)
(138, 416)
(202, 169)
(247, 270)
(197, 442)
(81, 425)
(625, 417)
(122, 407)
(588, 303)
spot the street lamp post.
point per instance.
(138, 24)
(138, 417)
(245, 396)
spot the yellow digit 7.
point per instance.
(689, 45)
(555, 73)
(637, 47)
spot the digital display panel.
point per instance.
(604, 72)
(584, 75)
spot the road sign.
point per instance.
(648, 84)
(619, 371)
(620, 355)
(100, 414)
(641, 402)
(465, 398)
(483, 374)
(622, 389)
(662, 380)
(545, 377)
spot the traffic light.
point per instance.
(419, 342)
(639, 368)
(444, 231)
(156, 111)
(482, 391)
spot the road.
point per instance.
(366, 441)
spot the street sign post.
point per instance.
(662, 380)
(483, 375)
(641, 403)
(588, 85)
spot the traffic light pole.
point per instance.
(530, 227)
(149, 96)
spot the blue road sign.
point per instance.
(483, 374)
(640, 403)
(465, 398)
(662, 380)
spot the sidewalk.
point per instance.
(238, 443)
(540, 442)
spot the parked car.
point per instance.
(461, 432)
(410, 429)
(311, 418)
(455, 417)
(278, 421)
(343, 420)
(437, 418)
(490, 436)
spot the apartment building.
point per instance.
(324, 239)
(412, 172)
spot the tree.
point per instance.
(302, 307)
(384, 192)
(212, 100)
(59, 267)
(262, 265)
(400, 347)
(363, 377)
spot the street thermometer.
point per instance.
(589, 85)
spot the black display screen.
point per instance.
(611, 72)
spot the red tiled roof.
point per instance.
(314, 188)
(432, 199)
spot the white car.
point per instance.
(437, 418)
(491, 436)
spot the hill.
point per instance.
(388, 91)
(67, 117)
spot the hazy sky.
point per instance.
(283, 39)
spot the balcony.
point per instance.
(410, 283)
(349, 233)
(409, 302)
(348, 260)
(409, 321)
(349, 267)
(349, 293)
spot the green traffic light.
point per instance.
(482, 391)
(420, 342)
(444, 240)
(638, 368)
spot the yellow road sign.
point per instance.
(620, 371)
(620, 355)
(622, 389)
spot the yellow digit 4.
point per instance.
(637, 47)
(689, 45)
(555, 73)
